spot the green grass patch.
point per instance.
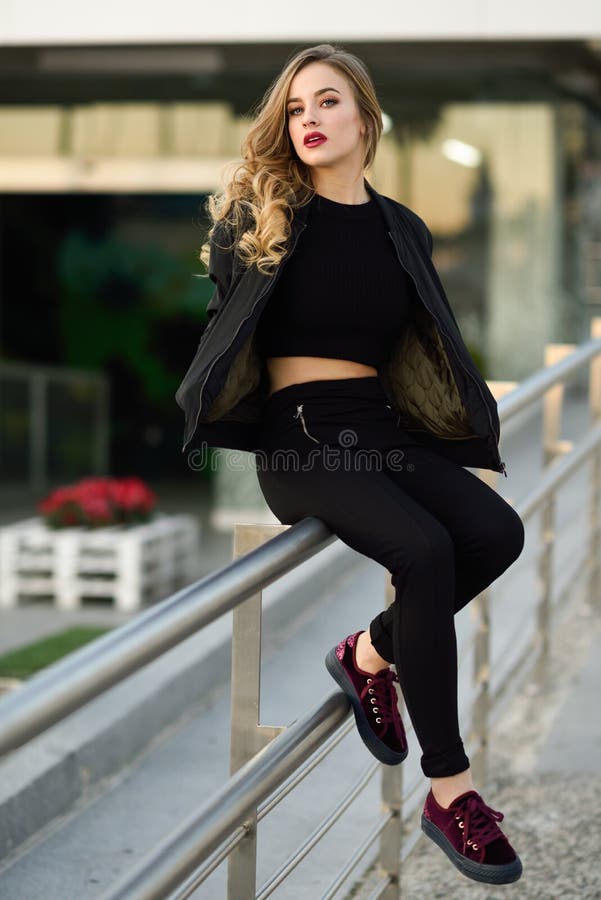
(29, 659)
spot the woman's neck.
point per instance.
(350, 193)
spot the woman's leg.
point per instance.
(375, 515)
(487, 533)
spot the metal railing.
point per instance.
(25, 422)
(267, 762)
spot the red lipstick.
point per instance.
(314, 138)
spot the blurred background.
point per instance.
(115, 126)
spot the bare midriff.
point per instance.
(286, 370)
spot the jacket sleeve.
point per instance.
(220, 267)
(423, 230)
(429, 237)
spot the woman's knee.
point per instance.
(426, 551)
(505, 534)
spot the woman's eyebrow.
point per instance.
(317, 93)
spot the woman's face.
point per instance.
(333, 113)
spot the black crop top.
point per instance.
(343, 293)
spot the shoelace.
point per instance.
(477, 821)
(384, 700)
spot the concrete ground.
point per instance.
(546, 779)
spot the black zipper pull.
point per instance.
(503, 469)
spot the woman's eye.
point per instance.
(291, 112)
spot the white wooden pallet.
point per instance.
(132, 565)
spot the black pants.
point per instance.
(332, 449)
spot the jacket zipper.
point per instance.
(268, 286)
(299, 413)
(461, 363)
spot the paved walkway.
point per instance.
(546, 767)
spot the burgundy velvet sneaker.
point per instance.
(468, 833)
(374, 699)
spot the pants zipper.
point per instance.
(299, 414)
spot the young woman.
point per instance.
(333, 354)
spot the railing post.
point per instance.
(480, 612)
(247, 736)
(391, 792)
(553, 447)
(480, 609)
(595, 488)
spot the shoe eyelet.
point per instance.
(376, 710)
(469, 843)
(370, 691)
(457, 817)
(475, 846)
(461, 825)
(372, 700)
(369, 680)
(378, 720)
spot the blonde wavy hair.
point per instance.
(256, 207)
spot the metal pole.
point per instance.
(247, 737)
(545, 561)
(595, 471)
(553, 447)
(180, 853)
(481, 708)
(480, 611)
(391, 792)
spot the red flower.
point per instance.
(131, 494)
(99, 501)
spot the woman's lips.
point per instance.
(316, 141)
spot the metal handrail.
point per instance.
(68, 685)
(266, 807)
(301, 774)
(38, 379)
(177, 856)
(322, 828)
(357, 856)
(559, 472)
(55, 373)
(536, 385)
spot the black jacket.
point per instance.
(429, 377)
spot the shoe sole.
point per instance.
(373, 743)
(484, 872)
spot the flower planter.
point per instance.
(131, 565)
